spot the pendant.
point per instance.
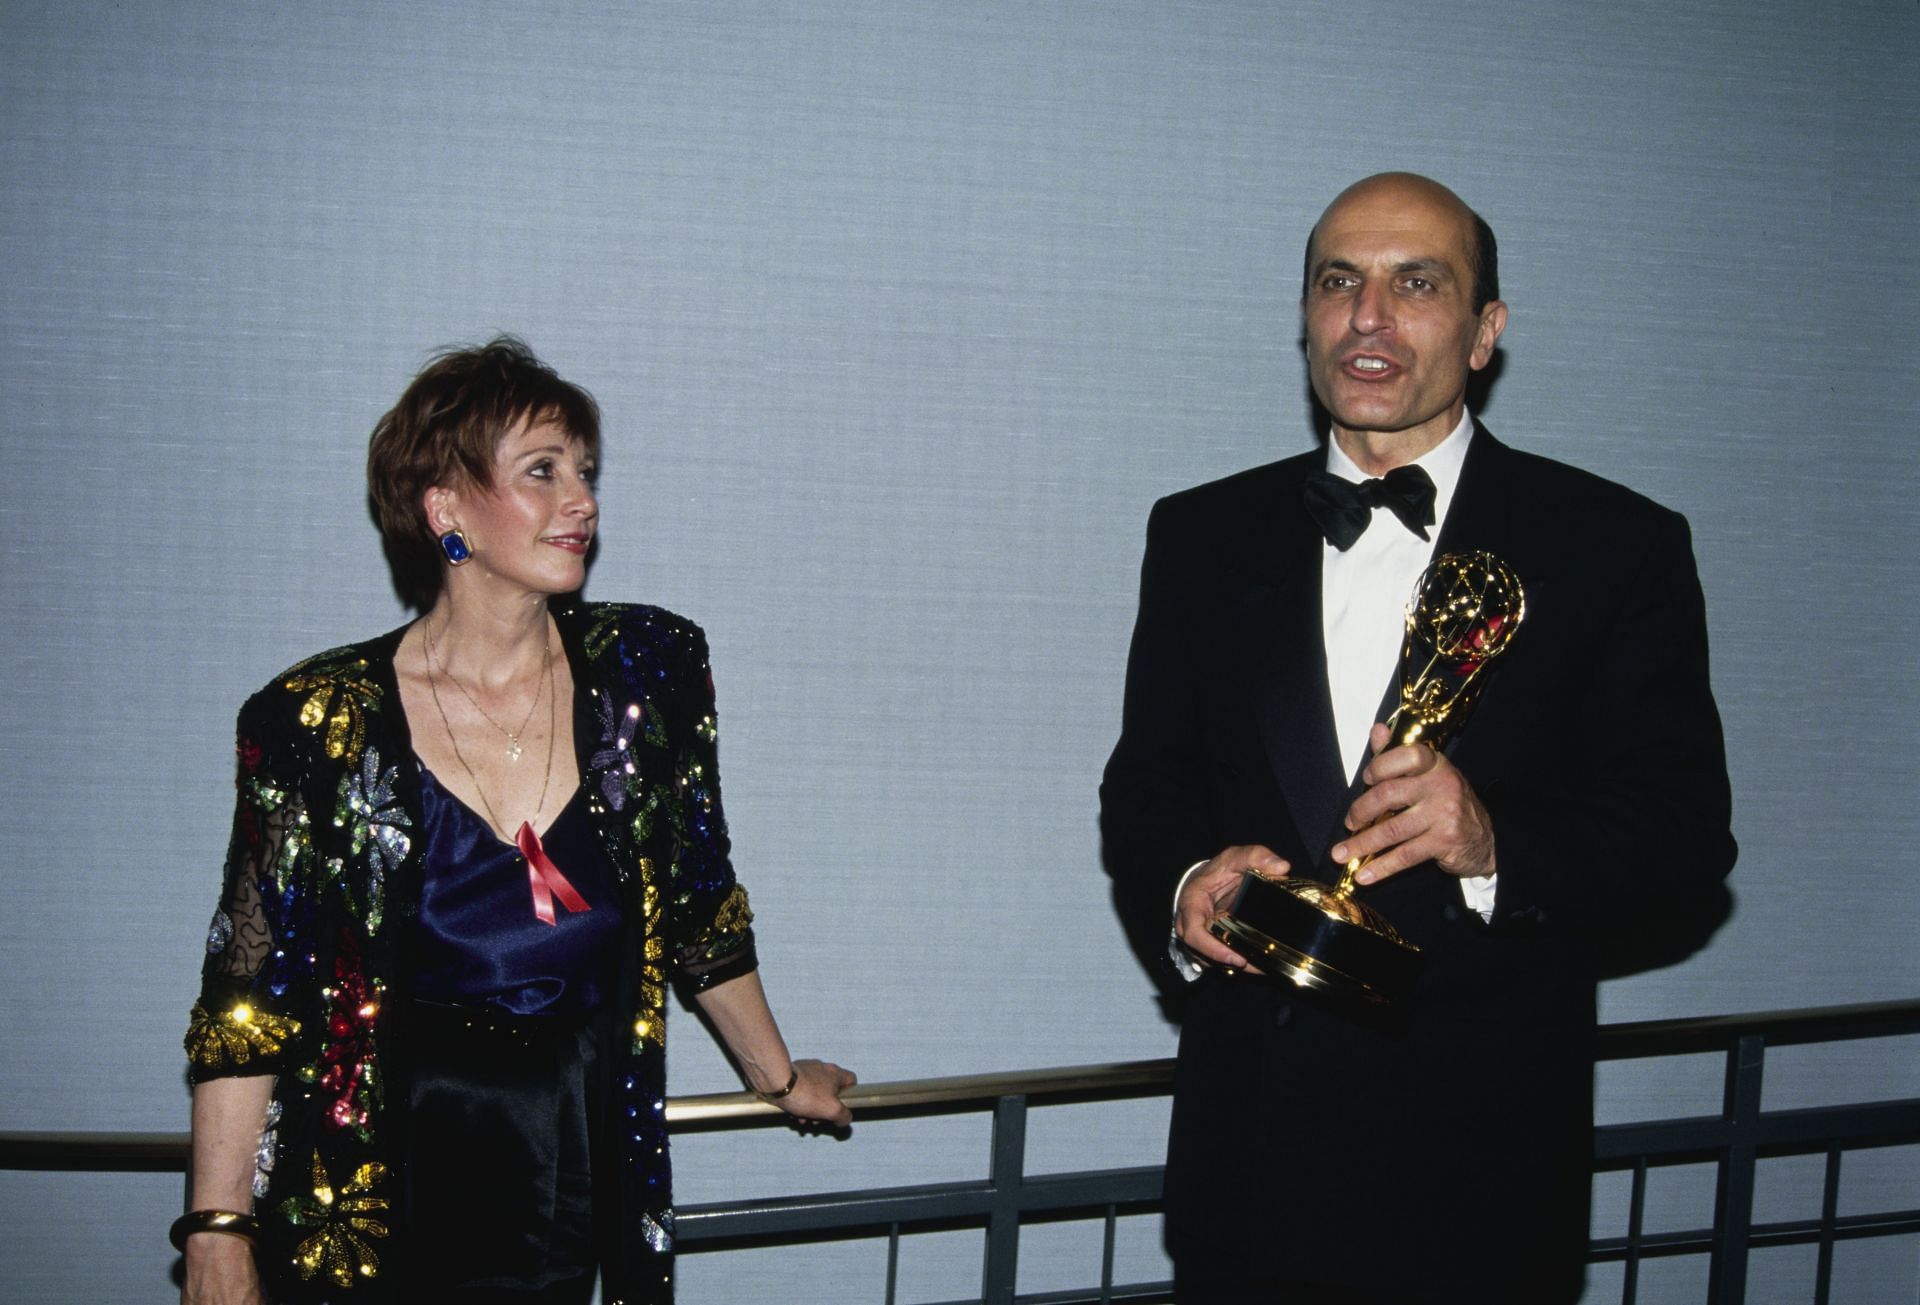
(513, 748)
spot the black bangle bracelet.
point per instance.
(792, 1078)
(230, 1222)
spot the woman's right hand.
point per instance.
(221, 1271)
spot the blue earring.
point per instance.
(455, 545)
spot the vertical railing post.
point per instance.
(1733, 1192)
(1829, 1211)
(1636, 1225)
(1007, 1172)
(1106, 1254)
(893, 1262)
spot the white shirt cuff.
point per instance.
(1479, 891)
(1183, 963)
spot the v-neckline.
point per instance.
(427, 773)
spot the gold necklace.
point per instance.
(433, 688)
(513, 736)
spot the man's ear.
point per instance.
(1493, 322)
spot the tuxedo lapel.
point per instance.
(1291, 701)
(1489, 514)
(1481, 514)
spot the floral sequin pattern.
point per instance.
(613, 761)
(342, 1224)
(650, 1026)
(269, 1146)
(693, 782)
(378, 825)
(722, 938)
(339, 695)
(657, 1231)
(277, 832)
(624, 781)
(236, 1036)
(347, 1073)
(261, 940)
(734, 914)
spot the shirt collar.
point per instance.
(1442, 462)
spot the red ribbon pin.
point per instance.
(545, 878)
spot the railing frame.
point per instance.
(1743, 1134)
(1735, 1141)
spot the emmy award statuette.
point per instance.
(1464, 611)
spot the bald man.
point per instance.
(1439, 1152)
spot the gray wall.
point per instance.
(902, 316)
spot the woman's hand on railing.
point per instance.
(815, 1098)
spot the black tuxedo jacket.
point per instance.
(1443, 1152)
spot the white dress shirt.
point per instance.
(1363, 601)
(1363, 605)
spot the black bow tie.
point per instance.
(1343, 509)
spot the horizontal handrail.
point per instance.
(1623, 1041)
(161, 1151)
(1629, 1040)
(36, 1150)
(901, 1094)
(109, 1152)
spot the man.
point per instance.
(1441, 1151)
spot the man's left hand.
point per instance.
(1426, 812)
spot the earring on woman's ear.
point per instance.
(455, 546)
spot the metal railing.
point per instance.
(1743, 1133)
(1734, 1141)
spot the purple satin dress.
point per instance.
(506, 1061)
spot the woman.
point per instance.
(468, 856)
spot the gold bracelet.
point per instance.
(792, 1079)
(230, 1222)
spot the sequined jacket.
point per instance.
(309, 955)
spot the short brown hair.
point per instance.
(445, 430)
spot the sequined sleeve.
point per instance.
(710, 922)
(247, 1019)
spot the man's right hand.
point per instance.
(1209, 891)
